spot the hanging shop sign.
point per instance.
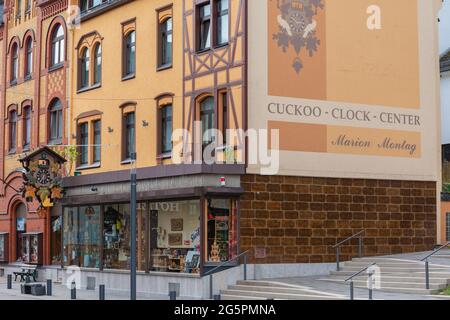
(42, 178)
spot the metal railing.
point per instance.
(352, 289)
(338, 247)
(217, 269)
(427, 264)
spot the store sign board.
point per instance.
(350, 85)
(42, 177)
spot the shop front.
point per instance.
(177, 236)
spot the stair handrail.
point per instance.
(427, 264)
(352, 290)
(348, 239)
(359, 272)
(436, 251)
(225, 263)
(213, 271)
(338, 247)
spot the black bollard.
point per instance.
(73, 291)
(9, 283)
(101, 289)
(49, 287)
(173, 295)
(217, 297)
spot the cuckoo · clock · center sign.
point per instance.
(42, 178)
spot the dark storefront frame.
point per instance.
(205, 193)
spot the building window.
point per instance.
(98, 63)
(207, 119)
(82, 236)
(90, 4)
(56, 122)
(130, 54)
(84, 68)
(166, 129)
(12, 131)
(27, 6)
(19, 8)
(224, 103)
(447, 226)
(222, 22)
(129, 135)
(204, 36)
(26, 128)
(165, 46)
(57, 46)
(14, 63)
(97, 129)
(83, 141)
(222, 233)
(29, 58)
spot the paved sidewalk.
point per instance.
(61, 292)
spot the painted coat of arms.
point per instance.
(297, 27)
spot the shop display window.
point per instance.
(82, 236)
(4, 247)
(30, 248)
(55, 239)
(221, 230)
(175, 236)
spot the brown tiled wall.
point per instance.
(297, 219)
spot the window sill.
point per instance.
(129, 77)
(26, 148)
(13, 83)
(93, 87)
(164, 67)
(55, 142)
(27, 78)
(165, 156)
(56, 67)
(126, 161)
(88, 166)
(203, 51)
(11, 152)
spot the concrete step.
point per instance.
(397, 278)
(394, 284)
(355, 269)
(361, 264)
(436, 274)
(263, 283)
(292, 290)
(274, 295)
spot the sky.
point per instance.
(444, 27)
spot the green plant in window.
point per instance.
(71, 154)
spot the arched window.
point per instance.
(207, 119)
(26, 127)
(84, 68)
(58, 46)
(166, 128)
(14, 63)
(97, 63)
(129, 135)
(12, 130)
(165, 36)
(29, 57)
(56, 122)
(130, 54)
